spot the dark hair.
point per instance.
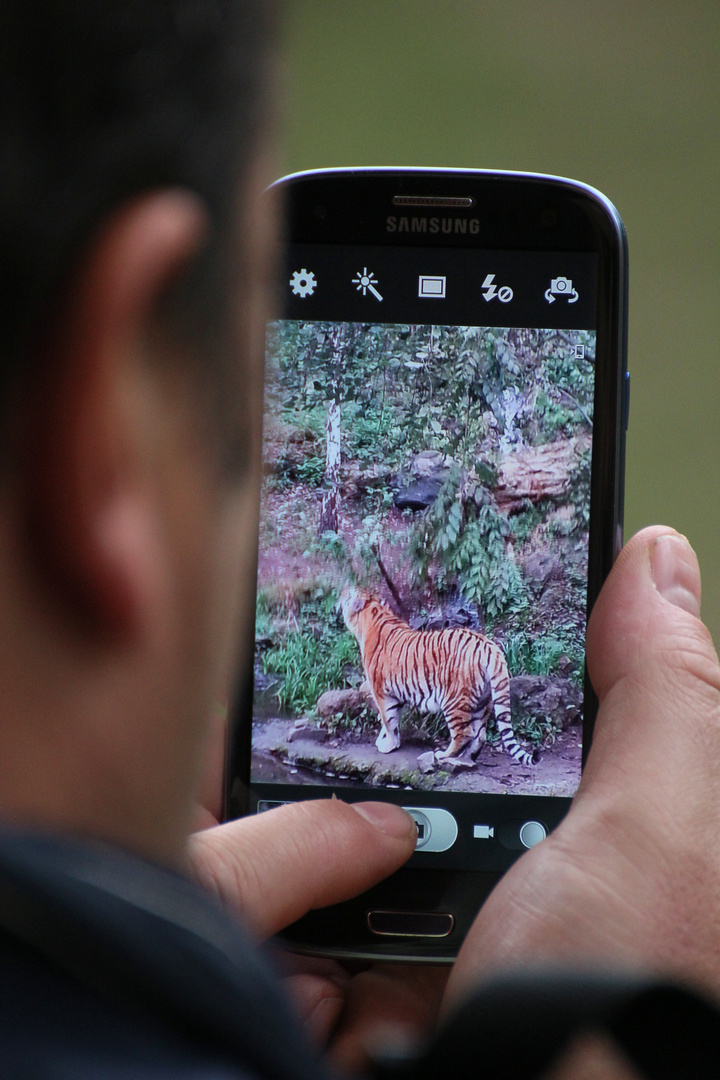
(101, 100)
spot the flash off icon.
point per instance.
(490, 290)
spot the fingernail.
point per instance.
(676, 572)
(388, 818)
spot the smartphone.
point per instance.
(446, 405)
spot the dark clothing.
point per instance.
(113, 967)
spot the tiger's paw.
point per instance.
(387, 741)
(451, 752)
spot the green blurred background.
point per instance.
(624, 95)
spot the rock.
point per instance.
(430, 463)
(552, 696)
(564, 666)
(355, 480)
(420, 482)
(426, 762)
(420, 495)
(286, 448)
(452, 613)
(348, 703)
(542, 567)
(309, 733)
(455, 765)
(422, 479)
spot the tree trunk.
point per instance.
(331, 498)
(333, 439)
(401, 609)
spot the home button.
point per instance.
(427, 924)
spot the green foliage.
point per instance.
(431, 726)
(308, 662)
(523, 524)
(364, 722)
(311, 470)
(469, 393)
(537, 730)
(332, 544)
(580, 490)
(486, 570)
(366, 429)
(471, 545)
(532, 654)
(263, 617)
(565, 397)
(288, 470)
(406, 388)
(369, 540)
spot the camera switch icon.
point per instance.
(561, 286)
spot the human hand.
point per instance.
(272, 868)
(631, 878)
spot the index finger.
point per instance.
(274, 867)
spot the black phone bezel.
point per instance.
(517, 212)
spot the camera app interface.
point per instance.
(421, 592)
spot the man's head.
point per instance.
(132, 254)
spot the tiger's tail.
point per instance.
(499, 679)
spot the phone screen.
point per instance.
(424, 536)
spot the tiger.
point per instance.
(458, 671)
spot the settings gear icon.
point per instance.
(303, 283)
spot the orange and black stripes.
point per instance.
(458, 671)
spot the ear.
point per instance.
(94, 422)
(356, 601)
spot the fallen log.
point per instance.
(534, 473)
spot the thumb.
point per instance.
(656, 572)
(272, 868)
(655, 671)
(631, 877)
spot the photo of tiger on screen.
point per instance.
(421, 579)
(458, 671)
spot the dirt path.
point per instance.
(285, 754)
